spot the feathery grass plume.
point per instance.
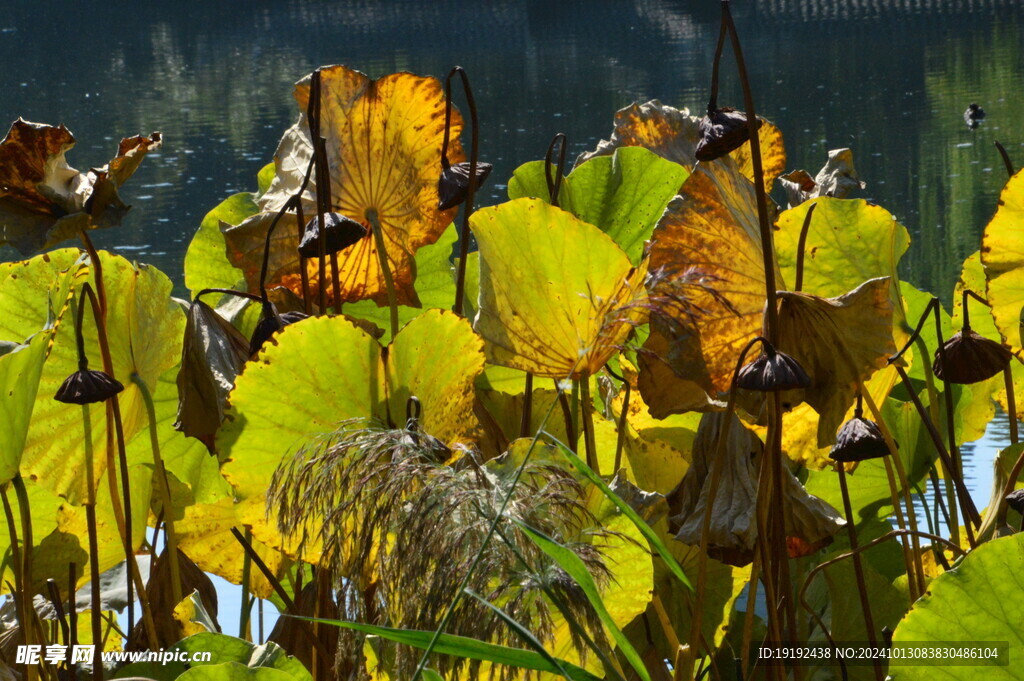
(400, 519)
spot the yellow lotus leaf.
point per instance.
(848, 242)
(1002, 254)
(673, 134)
(713, 228)
(204, 535)
(838, 341)
(558, 297)
(384, 156)
(295, 391)
(670, 353)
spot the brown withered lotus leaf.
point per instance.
(859, 439)
(87, 386)
(453, 185)
(160, 591)
(670, 353)
(213, 353)
(969, 357)
(837, 179)
(383, 149)
(839, 342)
(674, 134)
(713, 227)
(772, 371)
(721, 131)
(810, 523)
(44, 201)
(341, 233)
(312, 601)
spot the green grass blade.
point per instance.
(522, 632)
(575, 568)
(469, 648)
(646, 530)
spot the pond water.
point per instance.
(888, 78)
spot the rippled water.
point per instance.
(888, 78)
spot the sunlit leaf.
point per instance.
(848, 242)
(557, 296)
(975, 604)
(44, 201)
(295, 391)
(623, 194)
(206, 264)
(713, 228)
(1002, 254)
(144, 327)
(384, 154)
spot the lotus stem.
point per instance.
(555, 185)
(570, 429)
(123, 516)
(58, 607)
(963, 495)
(230, 292)
(1011, 404)
(289, 604)
(170, 536)
(72, 612)
(587, 410)
(696, 635)
(719, 46)
(947, 389)
(1006, 158)
(244, 632)
(858, 568)
(385, 268)
(20, 589)
(300, 219)
(524, 423)
(336, 283)
(94, 544)
(474, 150)
(748, 616)
(623, 423)
(911, 551)
(802, 246)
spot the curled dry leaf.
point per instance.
(44, 201)
(837, 178)
(383, 150)
(213, 353)
(810, 523)
(674, 134)
(160, 591)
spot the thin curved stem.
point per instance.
(801, 248)
(474, 149)
(1006, 158)
(555, 185)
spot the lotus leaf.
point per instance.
(44, 201)
(1002, 254)
(978, 603)
(557, 296)
(624, 194)
(384, 153)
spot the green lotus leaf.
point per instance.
(144, 327)
(623, 194)
(295, 391)
(978, 603)
(557, 295)
(1002, 254)
(206, 262)
(234, 671)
